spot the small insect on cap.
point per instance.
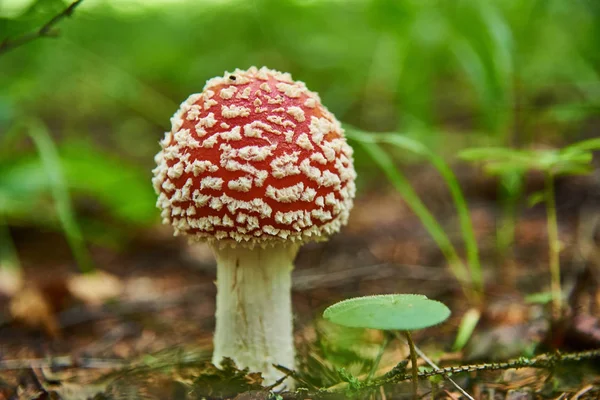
(254, 159)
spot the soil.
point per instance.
(168, 297)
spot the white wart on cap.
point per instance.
(254, 159)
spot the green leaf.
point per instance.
(539, 298)
(467, 327)
(586, 145)
(502, 168)
(572, 169)
(501, 160)
(574, 156)
(511, 183)
(536, 198)
(349, 378)
(492, 153)
(388, 312)
(572, 160)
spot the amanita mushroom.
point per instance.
(255, 166)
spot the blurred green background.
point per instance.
(449, 73)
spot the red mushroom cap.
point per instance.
(254, 159)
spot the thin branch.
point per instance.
(435, 367)
(280, 380)
(399, 372)
(541, 361)
(292, 374)
(47, 30)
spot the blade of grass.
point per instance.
(510, 191)
(414, 202)
(586, 145)
(466, 328)
(64, 208)
(9, 259)
(460, 203)
(384, 344)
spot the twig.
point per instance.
(583, 391)
(542, 361)
(280, 380)
(433, 365)
(290, 373)
(45, 31)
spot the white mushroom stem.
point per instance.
(254, 308)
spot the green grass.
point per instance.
(471, 72)
(575, 159)
(60, 193)
(409, 63)
(470, 276)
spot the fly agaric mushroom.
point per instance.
(255, 166)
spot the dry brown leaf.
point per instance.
(30, 307)
(76, 391)
(11, 280)
(95, 288)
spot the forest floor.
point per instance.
(165, 309)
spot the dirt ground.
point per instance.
(168, 295)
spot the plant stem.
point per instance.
(553, 246)
(510, 189)
(413, 362)
(254, 309)
(60, 192)
(8, 254)
(384, 344)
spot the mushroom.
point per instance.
(256, 166)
